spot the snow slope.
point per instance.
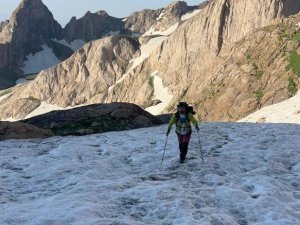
(190, 15)
(160, 93)
(250, 176)
(40, 61)
(146, 50)
(287, 111)
(167, 32)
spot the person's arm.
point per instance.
(171, 122)
(194, 121)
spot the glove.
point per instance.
(168, 132)
(197, 128)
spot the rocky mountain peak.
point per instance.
(177, 7)
(30, 26)
(35, 8)
(31, 2)
(29, 16)
(102, 13)
(91, 26)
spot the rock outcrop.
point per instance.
(140, 22)
(17, 130)
(95, 119)
(92, 26)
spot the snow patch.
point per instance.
(190, 15)
(40, 61)
(160, 16)
(131, 28)
(46, 107)
(74, 45)
(160, 93)
(287, 111)
(21, 81)
(125, 19)
(146, 50)
(167, 32)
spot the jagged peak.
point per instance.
(176, 4)
(98, 13)
(25, 3)
(101, 13)
(29, 5)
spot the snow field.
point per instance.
(40, 61)
(250, 176)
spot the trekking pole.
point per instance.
(200, 147)
(164, 152)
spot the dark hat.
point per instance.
(182, 104)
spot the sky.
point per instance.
(63, 10)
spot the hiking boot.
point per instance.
(181, 160)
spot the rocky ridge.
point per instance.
(96, 118)
(83, 78)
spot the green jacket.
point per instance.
(176, 121)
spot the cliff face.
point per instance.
(189, 60)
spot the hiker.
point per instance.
(183, 118)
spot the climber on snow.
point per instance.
(183, 119)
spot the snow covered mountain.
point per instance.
(250, 175)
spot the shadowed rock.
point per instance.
(96, 118)
(17, 130)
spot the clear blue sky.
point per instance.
(63, 10)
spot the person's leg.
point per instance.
(180, 142)
(185, 145)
